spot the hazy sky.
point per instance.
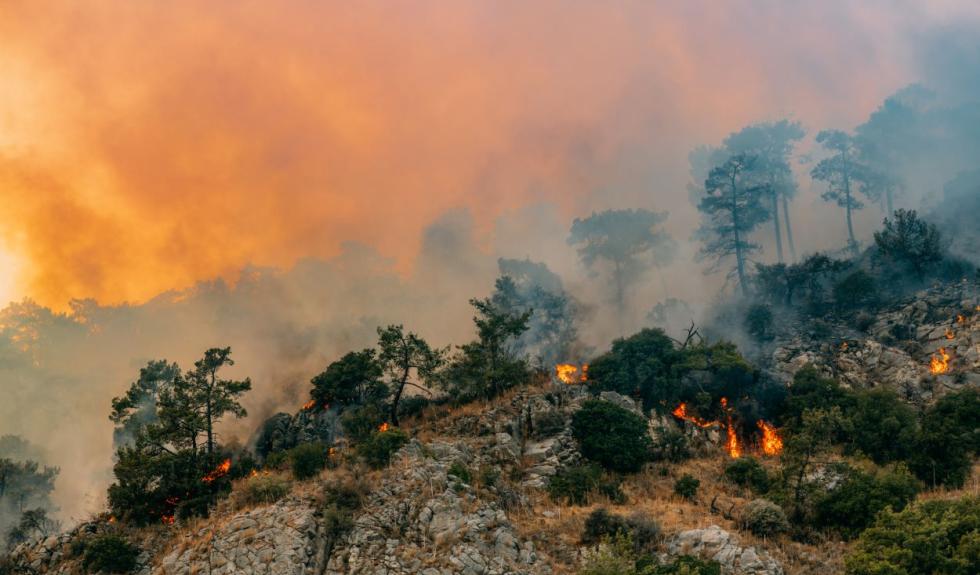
(146, 145)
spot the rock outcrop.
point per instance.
(716, 544)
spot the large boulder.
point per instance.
(714, 543)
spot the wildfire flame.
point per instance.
(309, 404)
(569, 373)
(219, 471)
(772, 444)
(734, 449)
(960, 319)
(384, 427)
(168, 519)
(950, 334)
(843, 346)
(681, 413)
(939, 364)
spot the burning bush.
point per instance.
(764, 518)
(612, 436)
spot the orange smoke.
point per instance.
(130, 165)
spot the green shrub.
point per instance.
(882, 426)
(380, 446)
(645, 532)
(600, 524)
(109, 554)
(950, 435)
(688, 565)
(489, 476)
(412, 406)
(278, 460)
(548, 423)
(459, 470)
(263, 489)
(758, 322)
(856, 290)
(764, 518)
(930, 537)
(574, 484)
(341, 499)
(671, 445)
(612, 436)
(852, 505)
(307, 460)
(748, 472)
(687, 486)
(361, 422)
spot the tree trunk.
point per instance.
(789, 228)
(739, 258)
(208, 417)
(398, 397)
(775, 222)
(851, 242)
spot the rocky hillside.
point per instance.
(468, 493)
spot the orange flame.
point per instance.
(772, 444)
(384, 427)
(960, 319)
(681, 413)
(331, 452)
(569, 373)
(950, 334)
(219, 471)
(112, 519)
(168, 519)
(734, 449)
(253, 473)
(309, 404)
(940, 364)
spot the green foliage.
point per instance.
(671, 445)
(574, 484)
(844, 175)
(486, 367)
(626, 243)
(688, 565)
(361, 421)
(950, 435)
(648, 366)
(306, 460)
(758, 322)
(764, 518)
(264, 489)
(687, 486)
(24, 485)
(812, 391)
(380, 446)
(910, 242)
(400, 355)
(459, 470)
(929, 537)
(109, 554)
(881, 426)
(600, 524)
(354, 379)
(806, 282)
(552, 334)
(732, 208)
(612, 436)
(138, 407)
(811, 438)
(856, 290)
(853, 504)
(748, 472)
(341, 499)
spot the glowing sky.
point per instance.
(146, 145)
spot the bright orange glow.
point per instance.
(570, 373)
(309, 404)
(960, 319)
(939, 364)
(384, 427)
(218, 472)
(732, 445)
(950, 334)
(772, 444)
(681, 413)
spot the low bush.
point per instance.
(852, 505)
(614, 437)
(671, 445)
(109, 554)
(308, 459)
(380, 446)
(746, 471)
(459, 470)
(601, 524)
(764, 518)
(688, 565)
(262, 489)
(687, 486)
(573, 485)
